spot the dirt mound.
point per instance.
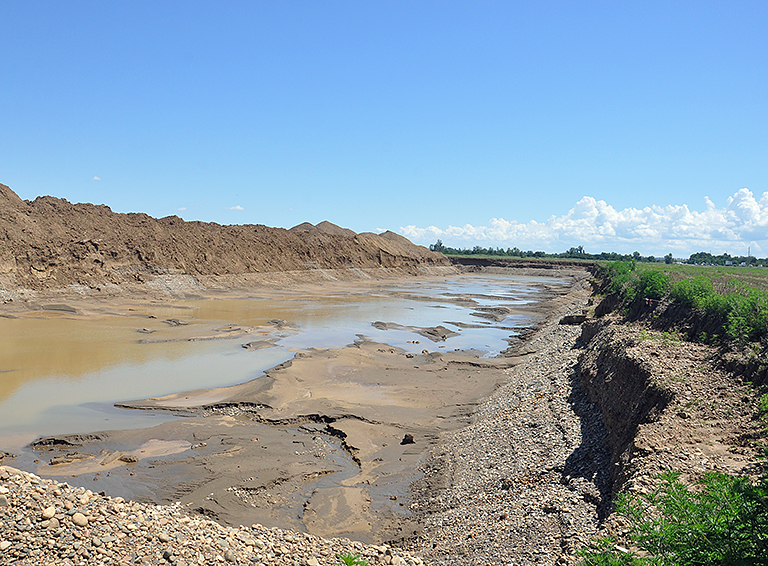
(51, 243)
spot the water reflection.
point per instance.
(60, 372)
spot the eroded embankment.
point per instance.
(588, 413)
(622, 385)
(666, 404)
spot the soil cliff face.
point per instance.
(623, 384)
(51, 243)
(666, 404)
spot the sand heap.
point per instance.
(51, 243)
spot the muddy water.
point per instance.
(61, 371)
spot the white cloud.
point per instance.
(96, 178)
(182, 208)
(596, 225)
(238, 207)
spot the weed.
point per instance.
(739, 310)
(666, 338)
(763, 407)
(723, 521)
(352, 560)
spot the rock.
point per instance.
(129, 459)
(110, 458)
(113, 531)
(3, 501)
(573, 319)
(408, 439)
(48, 513)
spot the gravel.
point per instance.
(45, 522)
(526, 482)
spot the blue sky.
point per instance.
(542, 125)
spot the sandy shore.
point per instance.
(328, 443)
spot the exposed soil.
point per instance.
(50, 243)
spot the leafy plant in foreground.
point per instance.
(721, 521)
(352, 560)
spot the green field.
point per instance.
(723, 278)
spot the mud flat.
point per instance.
(328, 443)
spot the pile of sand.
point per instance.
(51, 243)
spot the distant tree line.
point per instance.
(699, 258)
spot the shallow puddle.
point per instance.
(61, 372)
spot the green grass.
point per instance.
(734, 298)
(723, 520)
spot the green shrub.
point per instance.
(747, 315)
(652, 284)
(741, 311)
(715, 305)
(619, 274)
(691, 292)
(722, 521)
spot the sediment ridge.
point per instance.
(50, 243)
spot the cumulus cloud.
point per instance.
(238, 207)
(96, 178)
(598, 226)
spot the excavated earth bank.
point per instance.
(591, 412)
(50, 243)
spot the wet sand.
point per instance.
(329, 443)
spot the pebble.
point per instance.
(526, 477)
(105, 530)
